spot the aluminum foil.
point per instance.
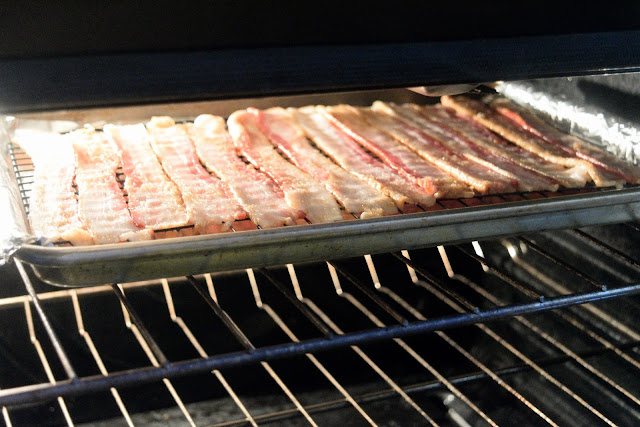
(14, 231)
(599, 109)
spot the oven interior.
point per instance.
(538, 328)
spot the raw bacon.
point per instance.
(527, 180)
(568, 177)
(348, 154)
(504, 127)
(102, 206)
(394, 153)
(211, 205)
(512, 131)
(589, 152)
(301, 190)
(154, 200)
(53, 205)
(482, 180)
(256, 192)
(305, 162)
(355, 195)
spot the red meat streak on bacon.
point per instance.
(301, 190)
(400, 158)
(492, 120)
(352, 157)
(570, 178)
(154, 200)
(446, 185)
(102, 206)
(600, 158)
(257, 193)
(211, 205)
(430, 150)
(512, 131)
(355, 195)
(526, 179)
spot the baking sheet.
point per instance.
(473, 219)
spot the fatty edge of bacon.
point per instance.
(572, 177)
(257, 193)
(301, 190)
(355, 195)
(604, 161)
(525, 179)
(350, 156)
(102, 206)
(154, 200)
(53, 204)
(209, 201)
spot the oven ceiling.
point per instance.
(57, 56)
(80, 28)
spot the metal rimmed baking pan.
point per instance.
(128, 262)
(455, 221)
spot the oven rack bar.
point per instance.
(532, 293)
(426, 386)
(29, 394)
(325, 331)
(462, 305)
(401, 343)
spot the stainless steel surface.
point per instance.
(476, 218)
(548, 368)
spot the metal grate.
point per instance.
(454, 333)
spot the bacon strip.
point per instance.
(53, 205)
(355, 195)
(371, 134)
(571, 178)
(513, 132)
(509, 130)
(589, 152)
(301, 190)
(211, 205)
(526, 179)
(350, 155)
(102, 206)
(154, 200)
(256, 192)
(479, 178)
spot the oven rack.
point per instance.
(452, 275)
